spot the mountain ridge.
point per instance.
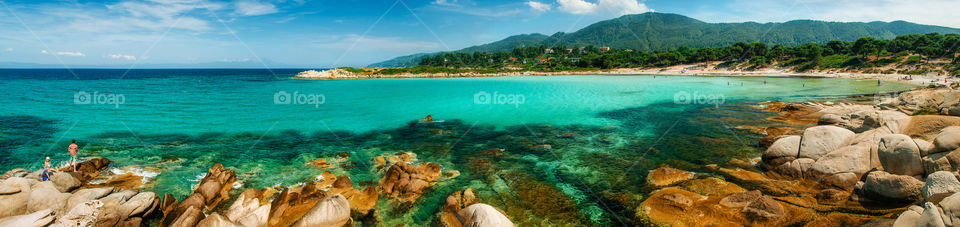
(664, 31)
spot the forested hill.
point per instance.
(664, 31)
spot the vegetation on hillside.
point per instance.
(916, 53)
(663, 31)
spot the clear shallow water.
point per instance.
(625, 125)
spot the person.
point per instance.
(46, 169)
(73, 148)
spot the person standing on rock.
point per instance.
(73, 148)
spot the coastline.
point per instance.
(677, 70)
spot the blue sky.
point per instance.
(314, 34)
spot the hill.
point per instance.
(664, 31)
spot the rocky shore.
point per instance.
(858, 165)
(72, 199)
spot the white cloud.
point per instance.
(605, 7)
(124, 57)
(9, 49)
(538, 6)
(254, 8)
(64, 53)
(934, 12)
(445, 2)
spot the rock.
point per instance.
(951, 209)
(18, 172)
(35, 219)
(741, 199)
(141, 203)
(84, 214)
(844, 181)
(926, 148)
(879, 185)
(782, 151)
(939, 185)
(930, 216)
(407, 182)
(4, 190)
(483, 215)
(216, 184)
(665, 176)
(948, 139)
(320, 163)
(764, 209)
(908, 218)
(830, 119)
(567, 135)
(943, 161)
(64, 182)
(331, 211)
(795, 168)
(190, 217)
(460, 199)
(832, 196)
(898, 154)
(927, 127)
(216, 220)
(820, 140)
(46, 198)
(849, 159)
(83, 195)
(712, 186)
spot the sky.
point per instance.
(321, 34)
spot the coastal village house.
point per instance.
(604, 49)
(548, 51)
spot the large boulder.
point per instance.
(948, 139)
(217, 220)
(939, 185)
(331, 211)
(881, 186)
(483, 215)
(35, 219)
(927, 127)
(926, 148)
(84, 214)
(951, 209)
(666, 176)
(899, 154)
(46, 198)
(64, 182)
(908, 218)
(930, 216)
(820, 140)
(18, 172)
(782, 151)
(943, 161)
(849, 159)
(863, 120)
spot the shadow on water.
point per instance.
(593, 175)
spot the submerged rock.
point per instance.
(407, 182)
(782, 151)
(483, 215)
(666, 176)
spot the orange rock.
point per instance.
(712, 186)
(320, 163)
(406, 182)
(665, 176)
(379, 160)
(567, 135)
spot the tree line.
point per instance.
(864, 53)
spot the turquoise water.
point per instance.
(624, 125)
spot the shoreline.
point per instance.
(678, 70)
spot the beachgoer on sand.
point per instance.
(46, 170)
(73, 148)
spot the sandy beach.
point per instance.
(687, 70)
